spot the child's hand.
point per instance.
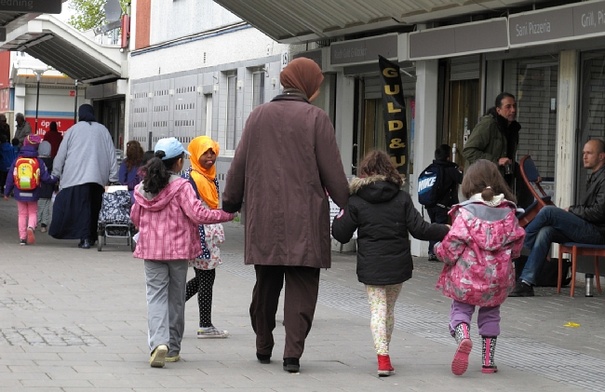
(5, 197)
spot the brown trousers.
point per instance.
(302, 286)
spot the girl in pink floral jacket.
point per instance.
(478, 250)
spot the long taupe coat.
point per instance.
(285, 163)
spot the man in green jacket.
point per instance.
(495, 138)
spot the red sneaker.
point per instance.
(385, 368)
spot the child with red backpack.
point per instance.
(24, 177)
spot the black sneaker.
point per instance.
(84, 244)
(522, 289)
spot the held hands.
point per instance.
(230, 215)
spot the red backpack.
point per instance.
(26, 174)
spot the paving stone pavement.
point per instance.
(75, 320)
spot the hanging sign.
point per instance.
(394, 114)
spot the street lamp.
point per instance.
(38, 73)
(76, 101)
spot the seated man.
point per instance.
(583, 223)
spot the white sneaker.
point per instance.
(211, 333)
(173, 358)
(158, 356)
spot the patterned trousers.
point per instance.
(382, 308)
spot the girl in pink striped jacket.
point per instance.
(167, 213)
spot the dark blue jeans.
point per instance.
(554, 224)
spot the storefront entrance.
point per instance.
(111, 113)
(463, 112)
(461, 102)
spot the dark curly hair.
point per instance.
(134, 154)
(378, 162)
(157, 172)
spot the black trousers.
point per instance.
(300, 300)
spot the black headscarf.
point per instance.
(86, 113)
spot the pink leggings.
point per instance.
(28, 216)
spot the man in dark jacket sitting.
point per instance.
(583, 222)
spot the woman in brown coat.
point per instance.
(284, 167)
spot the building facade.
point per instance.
(455, 60)
(196, 69)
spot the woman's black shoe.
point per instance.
(291, 365)
(84, 244)
(264, 359)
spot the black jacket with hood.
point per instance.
(384, 217)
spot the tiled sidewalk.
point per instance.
(75, 320)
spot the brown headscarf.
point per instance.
(302, 74)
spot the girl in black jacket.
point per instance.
(384, 216)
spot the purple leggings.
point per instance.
(488, 318)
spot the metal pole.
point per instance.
(38, 74)
(76, 102)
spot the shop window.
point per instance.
(592, 109)
(534, 82)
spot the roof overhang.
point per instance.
(66, 49)
(11, 19)
(293, 21)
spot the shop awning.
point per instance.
(66, 50)
(291, 21)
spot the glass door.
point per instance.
(463, 112)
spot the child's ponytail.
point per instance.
(157, 172)
(487, 194)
